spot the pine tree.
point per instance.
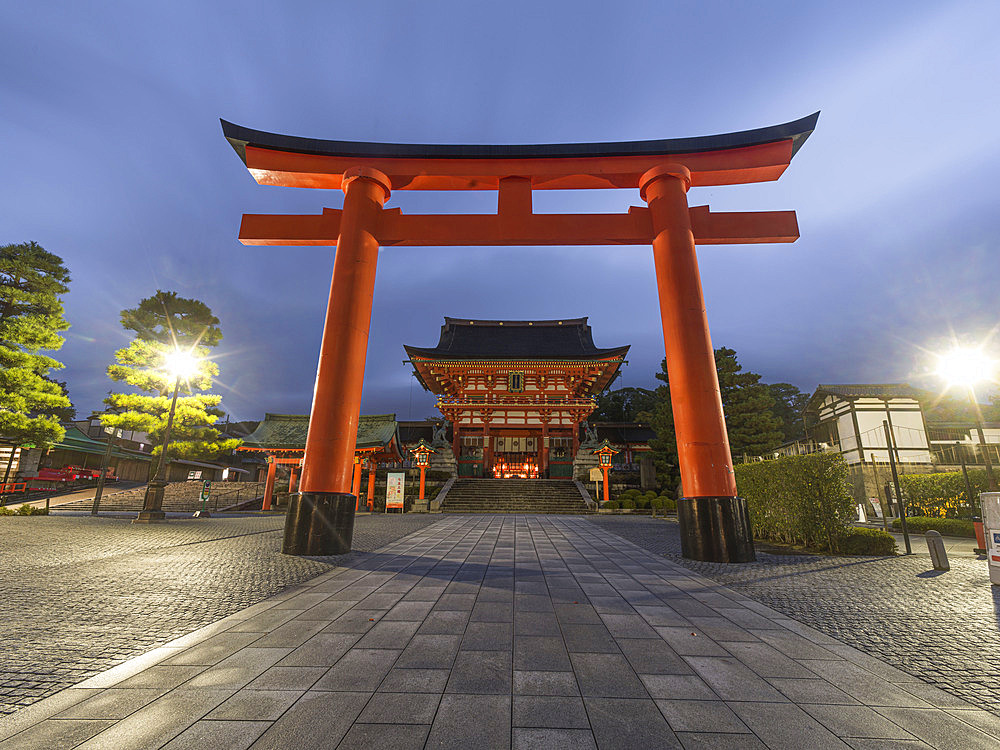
(753, 428)
(789, 403)
(163, 324)
(32, 281)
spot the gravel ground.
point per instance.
(940, 627)
(81, 594)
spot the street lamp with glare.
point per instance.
(178, 364)
(965, 367)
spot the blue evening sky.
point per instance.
(112, 157)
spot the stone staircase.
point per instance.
(514, 496)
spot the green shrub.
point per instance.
(630, 493)
(669, 504)
(867, 542)
(23, 510)
(628, 504)
(642, 503)
(610, 505)
(650, 494)
(656, 503)
(943, 493)
(944, 526)
(798, 499)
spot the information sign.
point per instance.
(394, 486)
(596, 475)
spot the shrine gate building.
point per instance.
(515, 391)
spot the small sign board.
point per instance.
(596, 475)
(394, 486)
(206, 489)
(876, 506)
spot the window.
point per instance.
(515, 382)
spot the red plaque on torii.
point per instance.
(714, 520)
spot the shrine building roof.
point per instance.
(569, 339)
(288, 432)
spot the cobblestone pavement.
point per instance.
(81, 594)
(941, 627)
(500, 632)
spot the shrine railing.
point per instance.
(565, 402)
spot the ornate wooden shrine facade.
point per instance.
(515, 391)
(281, 438)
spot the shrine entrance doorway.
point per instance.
(714, 521)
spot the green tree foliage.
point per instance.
(165, 323)
(32, 281)
(623, 405)
(753, 428)
(950, 407)
(789, 402)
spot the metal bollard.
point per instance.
(935, 545)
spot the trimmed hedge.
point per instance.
(24, 510)
(944, 526)
(799, 499)
(942, 494)
(610, 505)
(628, 504)
(867, 542)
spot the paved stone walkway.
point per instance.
(941, 627)
(501, 631)
(82, 594)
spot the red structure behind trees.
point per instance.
(714, 520)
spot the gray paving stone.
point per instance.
(719, 741)
(629, 724)
(721, 629)
(553, 739)
(606, 675)
(661, 615)
(355, 621)
(471, 721)
(545, 683)
(55, 734)
(880, 744)
(486, 611)
(856, 721)
(388, 634)
(458, 602)
(481, 672)
(690, 642)
(314, 722)
(114, 703)
(360, 670)
(400, 708)
(678, 686)
(786, 725)
(556, 712)
(536, 623)
(263, 705)
(322, 650)
(159, 721)
(652, 657)
(385, 737)
(588, 638)
(291, 634)
(430, 652)
(410, 610)
(540, 653)
(159, 676)
(765, 660)
(219, 735)
(939, 728)
(701, 716)
(812, 690)
(862, 685)
(287, 678)
(488, 636)
(445, 622)
(239, 669)
(415, 680)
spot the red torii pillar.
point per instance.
(714, 520)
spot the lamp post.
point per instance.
(422, 456)
(604, 454)
(966, 367)
(179, 364)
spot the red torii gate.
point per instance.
(714, 519)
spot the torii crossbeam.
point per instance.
(714, 519)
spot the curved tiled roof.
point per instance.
(515, 339)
